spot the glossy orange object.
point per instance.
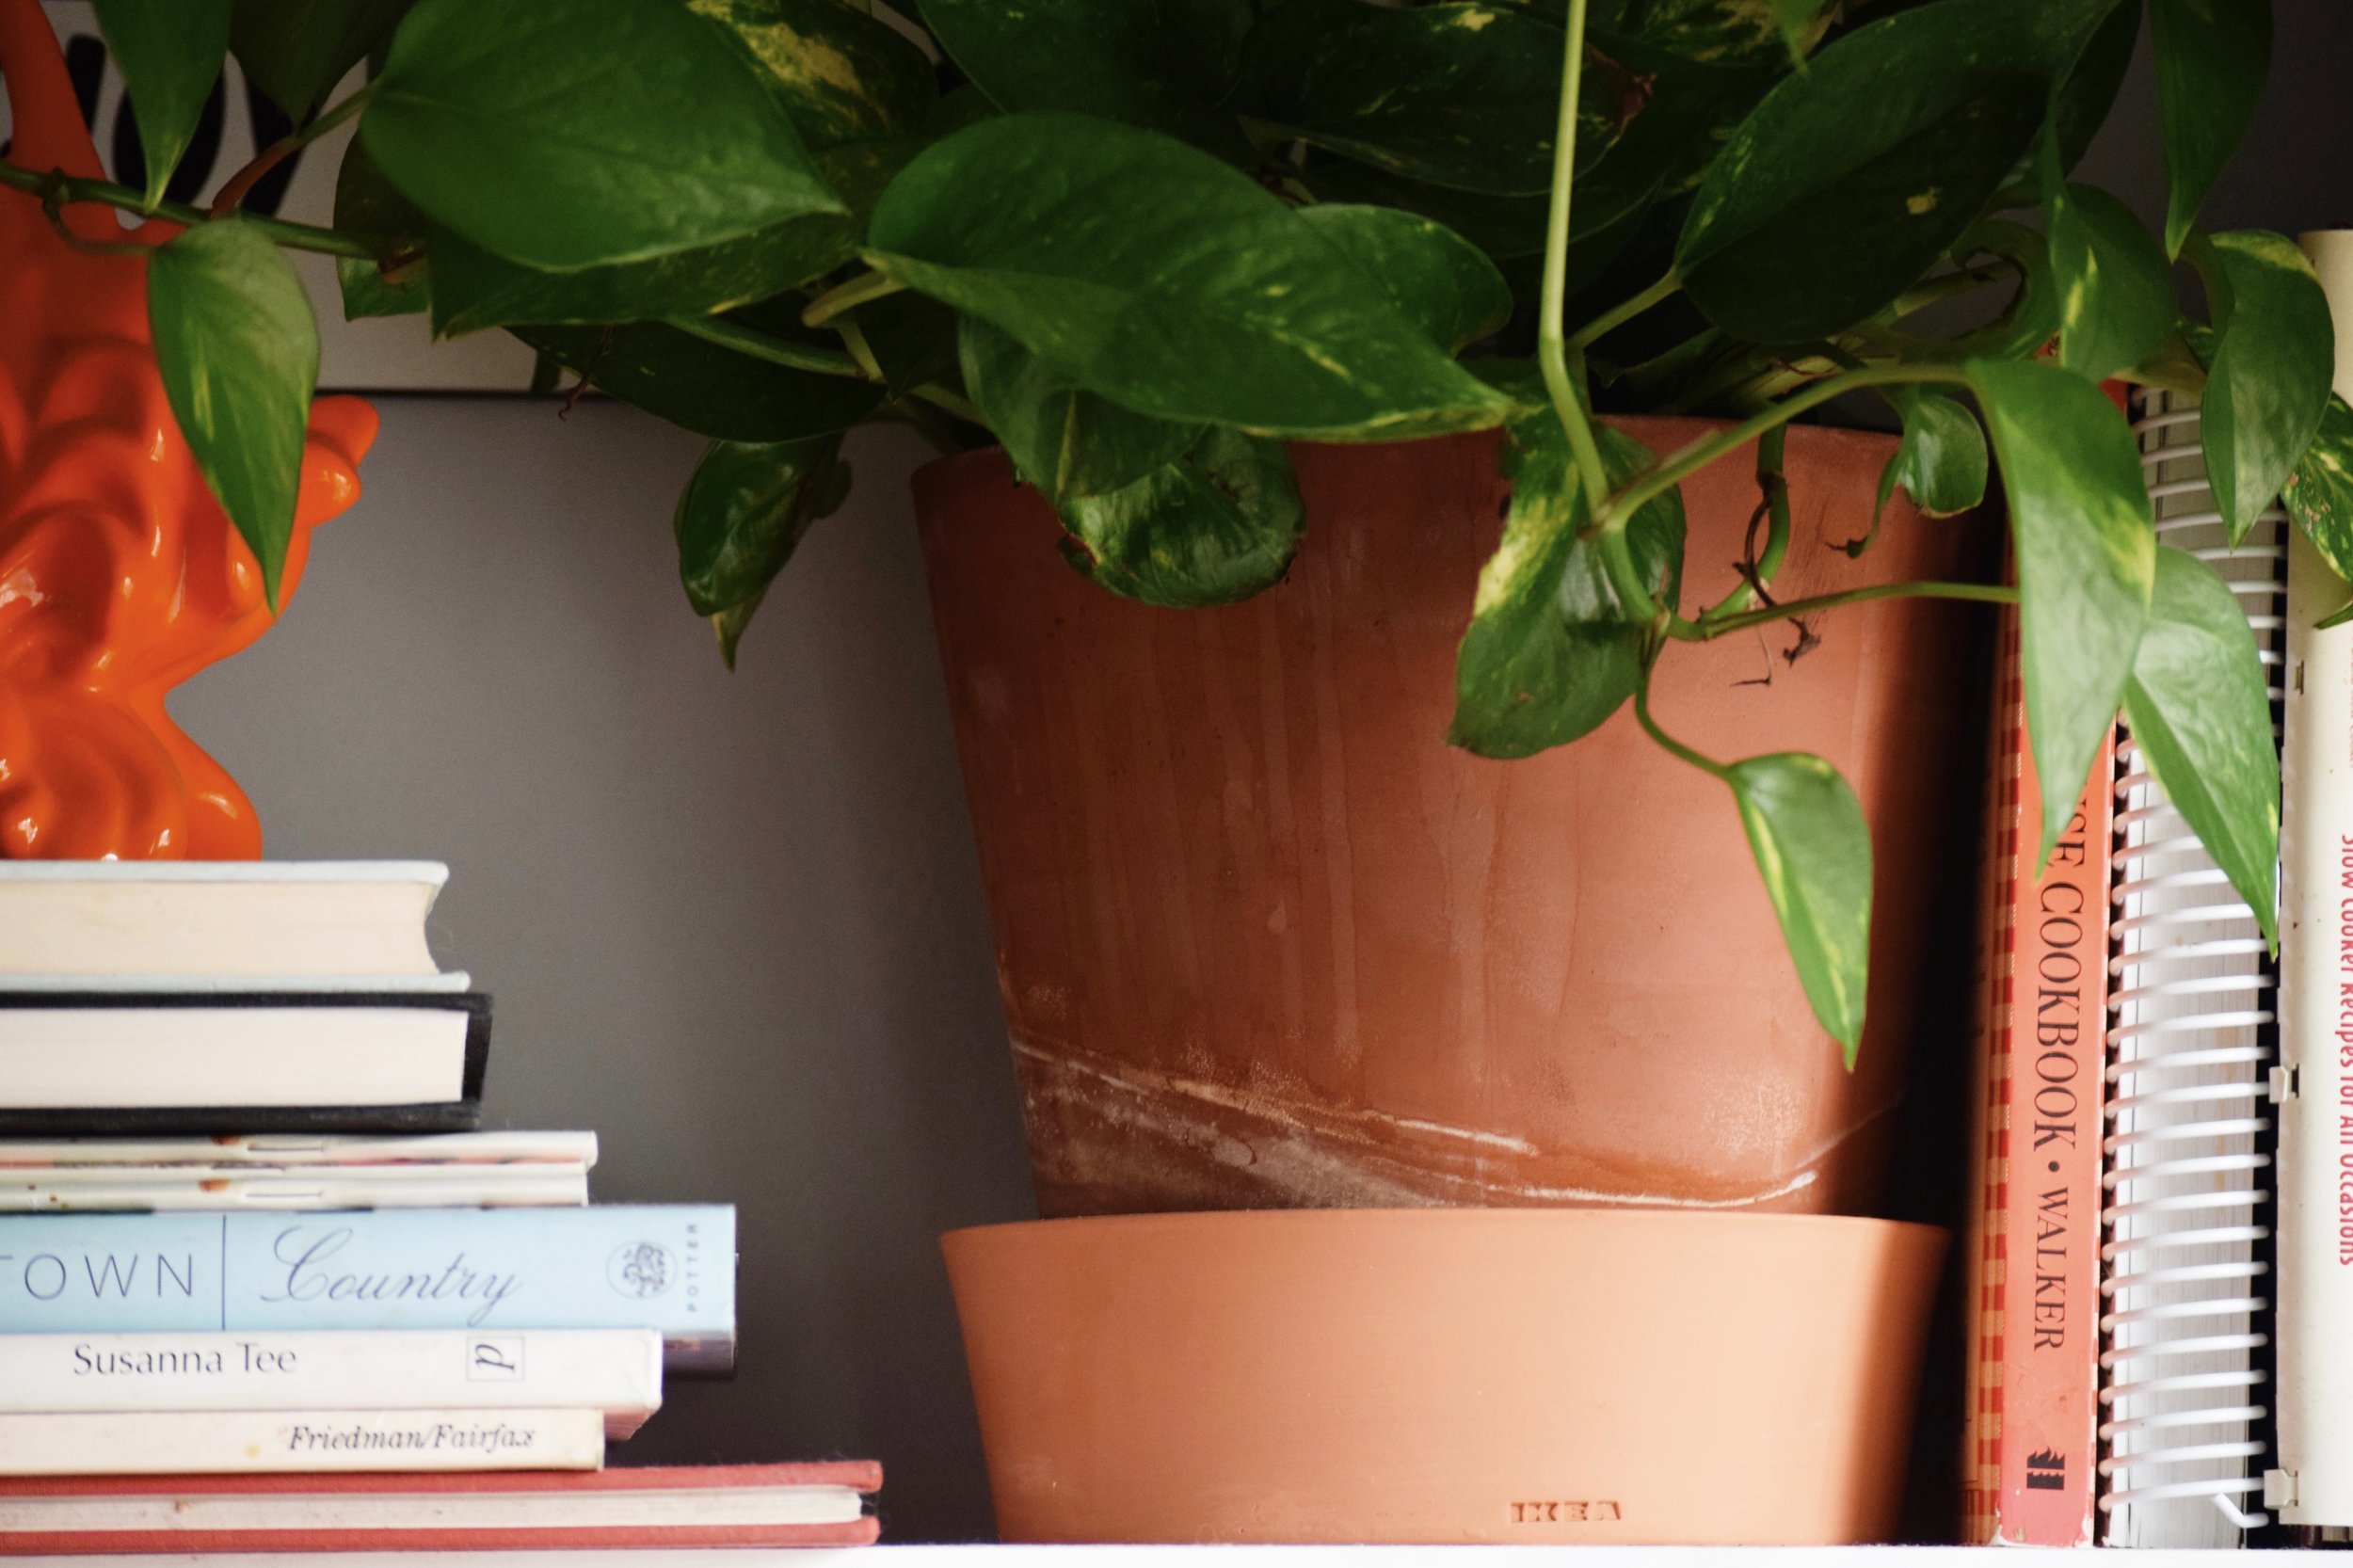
(120, 574)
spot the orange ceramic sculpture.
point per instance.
(120, 574)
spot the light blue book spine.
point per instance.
(665, 1266)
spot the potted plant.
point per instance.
(1255, 299)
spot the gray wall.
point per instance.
(732, 922)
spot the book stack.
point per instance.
(264, 1281)
(2133, 1103)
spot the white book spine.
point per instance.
(604, 1370)
(171, 1443)
(2313, 1483)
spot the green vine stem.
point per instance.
(1698, 760)
(1625, 579)
(1773, 486)
(852, 338)
(55, 212)
(69, 190)
(940, 397)
(1951, 286)
(1624, 312)
(758, 344)
(1982, 593)
(1553, 350)
(1773, 480)
(1607, 531)
(234, 189)
(849, 296)
(1671, 470)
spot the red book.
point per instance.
(717, 1505)
(2032, 1454)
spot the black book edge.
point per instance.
(477, 1002)
(208, 1120)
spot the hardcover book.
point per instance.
(177, 1442)
(669, 1267)
(294, 1150)
(195, 924)
(729, 1505)
(84, 1062)
(2031, 1450)
(2311, 1483)
(616, 1372)
(297, 1171)
(208, 1189)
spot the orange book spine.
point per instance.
(2033, 1402)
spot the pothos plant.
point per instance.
(1141, 243)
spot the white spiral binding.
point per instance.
(2189, 1109)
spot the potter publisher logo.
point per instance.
(1566, 1511)
(641, 1269)
(2047, 1471)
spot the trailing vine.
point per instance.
(1142, 247)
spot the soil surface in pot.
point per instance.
(1266, 939)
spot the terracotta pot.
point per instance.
(1430, 1375)
(1265, 939)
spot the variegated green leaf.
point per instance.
(2212, 57)
(2089, 91)
(169, 53)
(2115, 287)
(1158, 63)
(567, 134)
(1436, 277)
(368, 208)
(2200, 718)
(1216, 525)
(1140, 268)
(1941, 460)
(1736, 32)
(2319, 494)
(1550, 652)
(239, 352)
(1855, 174)
(1067, 442)
(297, 50)
(1813, 848)
(2087, 556)
(742, 516)
(1459, 93)
(842, 76)
(702, 387)
(2267, 380)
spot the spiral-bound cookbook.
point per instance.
(2187, 1249)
